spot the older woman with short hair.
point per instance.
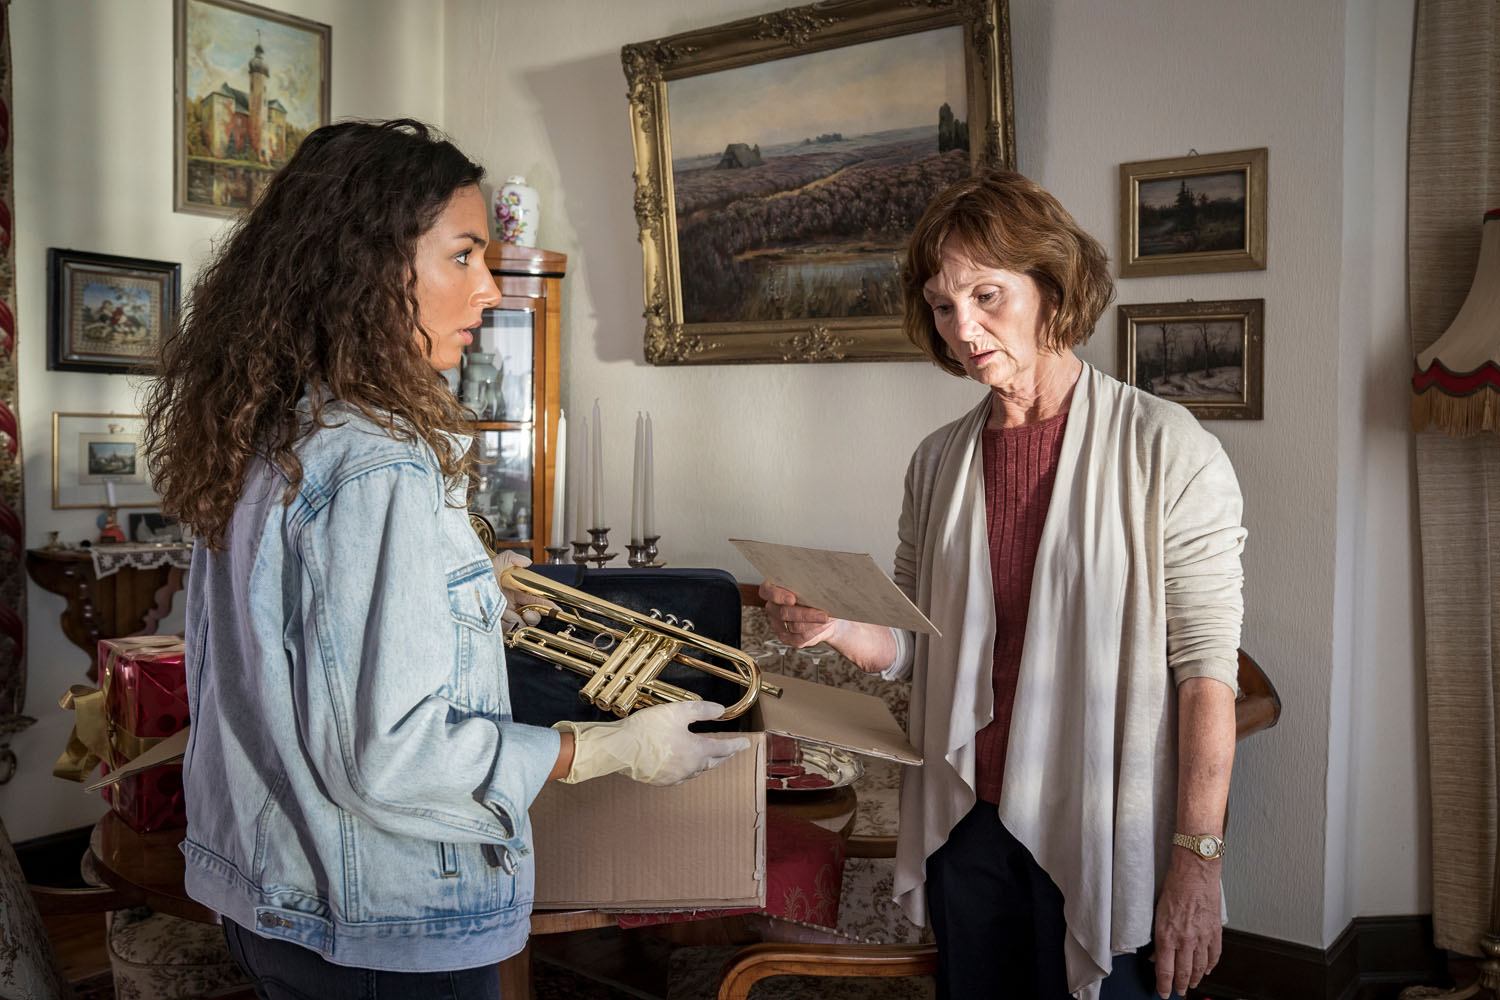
(1077, 543)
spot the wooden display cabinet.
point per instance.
(516, 433)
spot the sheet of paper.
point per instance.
(168, 751)
(845, 584)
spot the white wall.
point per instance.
(93, 171)
(815, 454)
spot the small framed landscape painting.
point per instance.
(97, 461)
(1208, 356)
(1193, 214)
(251, 83)
(106, 313)
(783, 160)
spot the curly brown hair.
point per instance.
(312, 294)
(1003, 219)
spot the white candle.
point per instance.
(559, 479)
(581, 486)
(596, 475)
(649, 494)
(109, 492)
(638, 481)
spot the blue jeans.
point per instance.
(998, 920)
(280, 970)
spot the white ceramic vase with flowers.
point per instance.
(517, 212)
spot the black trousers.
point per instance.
(281, 970)
(998, 919)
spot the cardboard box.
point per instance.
(613, 843)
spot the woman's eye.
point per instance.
(941, 310)
(463, 258)
(987, 297)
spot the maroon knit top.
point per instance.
(1020, 465)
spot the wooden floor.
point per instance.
(78, 940)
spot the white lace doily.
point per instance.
(113, 558)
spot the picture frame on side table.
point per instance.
(1208, 356)
(92, 450)
(1193, 214)
(250, 83)
(781, 162)
(107, 313)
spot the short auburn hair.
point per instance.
(1002, 219)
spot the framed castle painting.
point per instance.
(781, 162)
(251, 82)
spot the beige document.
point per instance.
(845, 584)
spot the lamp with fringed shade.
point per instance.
(1456, 386)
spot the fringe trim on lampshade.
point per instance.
(1459, 416)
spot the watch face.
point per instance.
(1208, 846)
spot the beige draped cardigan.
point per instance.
(1136, 589)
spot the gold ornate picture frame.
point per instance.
(785, 158)
(1194, 214)
(1208, 356)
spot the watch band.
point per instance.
(1205, 845)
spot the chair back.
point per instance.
(29, 969)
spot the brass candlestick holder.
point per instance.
(643, 556)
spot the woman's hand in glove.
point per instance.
(653, 745)
(511, 618)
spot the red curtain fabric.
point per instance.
(12, 510)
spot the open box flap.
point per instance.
(849, 720)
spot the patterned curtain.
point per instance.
(12, 511)
(1453, 177)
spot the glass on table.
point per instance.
(816, 656)
(775, 652)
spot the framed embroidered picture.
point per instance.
(107, 313)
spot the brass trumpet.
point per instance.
(623, 672)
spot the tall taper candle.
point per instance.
(559, 480)
(581, 486)
(649, 498)
(596, 475)
(638, 481)
(109, 492)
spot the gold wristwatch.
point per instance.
(1205, 845)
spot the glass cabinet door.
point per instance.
(498, 384)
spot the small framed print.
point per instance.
(1193, 214)
(1208, 356)
(106, 313)
(97, 462)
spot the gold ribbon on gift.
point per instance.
(88, 744)
(94, 733)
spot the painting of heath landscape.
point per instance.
(1192, 214)
(796, 182)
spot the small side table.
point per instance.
(129, 601)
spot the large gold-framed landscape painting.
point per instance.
(778, 184)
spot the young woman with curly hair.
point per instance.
(356, 787)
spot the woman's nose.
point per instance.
(965, 323)
(487, 293)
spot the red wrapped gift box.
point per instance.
(144, 680)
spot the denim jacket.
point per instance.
(354, 781)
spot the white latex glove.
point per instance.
(653, 745)
(510, 618)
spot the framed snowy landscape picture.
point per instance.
(1208, 356)
(783, 160)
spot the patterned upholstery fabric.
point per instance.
(28, 966)
(159, 957)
